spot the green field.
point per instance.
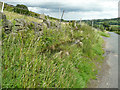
(99, 23)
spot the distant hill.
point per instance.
(99, 23)
(12, 8)
(113, 21)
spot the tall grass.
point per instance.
(52, 59)
(0, 53)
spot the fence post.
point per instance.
(61, 18)
(1, 45)
(75, 23)
(92, 23)
(80, 20)
(2, 7)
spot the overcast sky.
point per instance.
(74, 9)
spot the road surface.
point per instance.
(108, 75)
(110, 79)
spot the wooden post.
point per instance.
(61, 18)
(2, 7)
(1, 42)
(80, 20)
(48, 21)
(92, 23)
(75, 23)
(62, 15)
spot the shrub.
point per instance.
(106, 25)
(22, 9)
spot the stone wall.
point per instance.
(1, 6)
(21, 24)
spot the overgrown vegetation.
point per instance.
(63, 57)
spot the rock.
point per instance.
(52, 47)
(0, 16)
(81, 44)
(18, 28)
(47, 22)
(7, 25)
(81, 32)
(36, 26)
(20, 22)
(67, 53)
(4, 17)
(77, 41)
(40, 33)
(14, 34)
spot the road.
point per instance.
(110, 78)
(108, 74)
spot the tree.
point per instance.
(106, 25)
(114, 28)
(101, 27)
(22, 9)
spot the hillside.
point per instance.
(46, 53)
(11, 8)
(113, 24)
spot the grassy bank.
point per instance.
(104, 33)
(53, 59)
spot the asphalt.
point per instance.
(110, 78)
(108, 74)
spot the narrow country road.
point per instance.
(110, 77)
(108, 74)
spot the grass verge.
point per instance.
(52, 59)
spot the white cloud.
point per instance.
(75, 9)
